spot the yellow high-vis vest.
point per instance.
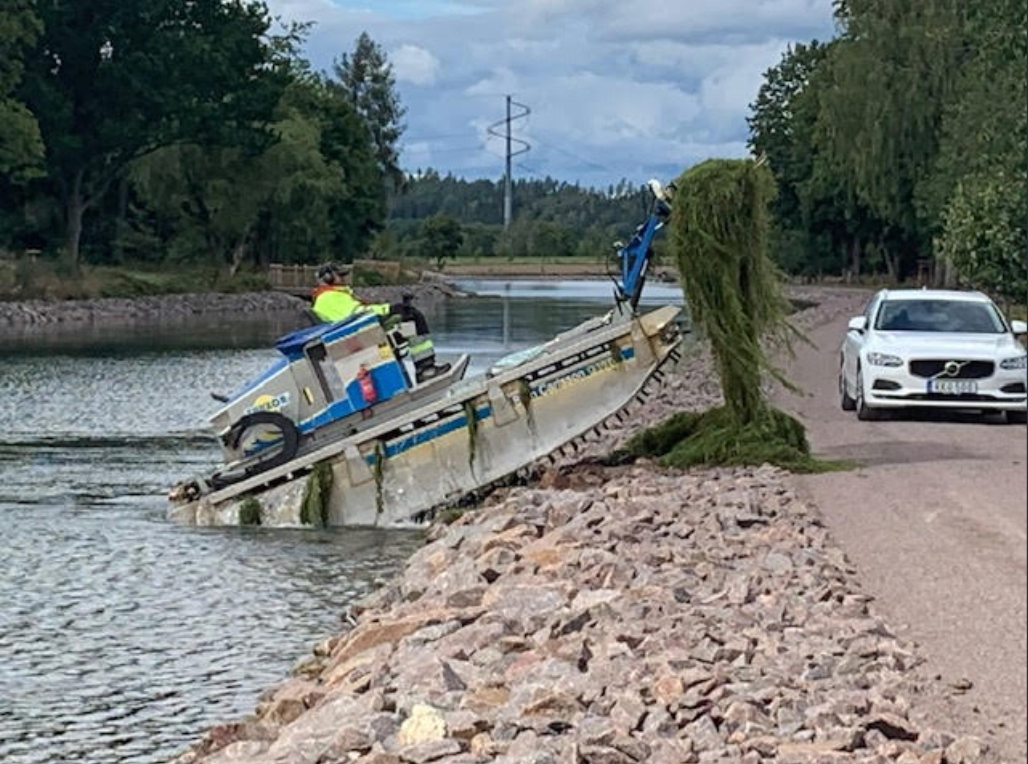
(339, 303)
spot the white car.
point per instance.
(933, 348)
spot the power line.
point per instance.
(573, 155)
(444, 136)
(452, 149)
(529, 170)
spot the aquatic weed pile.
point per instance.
(718, 236)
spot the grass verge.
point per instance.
(48, 279)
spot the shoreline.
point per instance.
(612, 615)
(112, 311)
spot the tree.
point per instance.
(984, 235)
(550, 240)
(893, 71)
(21, 147)
(367, 78)
(113, 80)
(289, 202)
(978, 188)
(782, 123)
(440, 238)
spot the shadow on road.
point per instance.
(896, 452)
(945, 416)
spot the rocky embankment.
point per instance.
(611, 615)
(632, 615)
(142, 309)
(137, 310)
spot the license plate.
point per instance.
(952, 386)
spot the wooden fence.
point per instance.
(302, 278)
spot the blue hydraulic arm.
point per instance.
(634, 258)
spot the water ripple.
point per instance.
(123, 637)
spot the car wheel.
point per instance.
(1017, 417)
(864, 412)
(847, 403)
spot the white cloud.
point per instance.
(733, 84)
(414, 64)
(618, 88)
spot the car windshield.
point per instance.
(961, 316)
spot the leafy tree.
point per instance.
(893, 71)
(781, 124)
(21, 147)
(811, 230)
(290, 202)
(978, 189)
(984, 234)
(112, 81)
(904, 137)
(984, 125)
(550, 239)
(367, 78)
(441, 237)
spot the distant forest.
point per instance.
(551, 218)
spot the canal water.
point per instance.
(122, 636)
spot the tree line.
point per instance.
(170, 133)
(175, 133)
(902, 140)
(438, 216)
(160, 131)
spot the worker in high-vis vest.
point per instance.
(335, 301)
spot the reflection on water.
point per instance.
(506, 316)
(122, 637)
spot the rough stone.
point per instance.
(965, 750)
(424, 724)
(429, 750)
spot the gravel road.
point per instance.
(935, 521)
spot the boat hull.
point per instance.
(479, 432)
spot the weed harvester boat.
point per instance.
(338, 432)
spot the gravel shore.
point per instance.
(610, 615)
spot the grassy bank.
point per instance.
(45, 279)
(49, 279)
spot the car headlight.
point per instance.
(1012, 364)
(884, 359)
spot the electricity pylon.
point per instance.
(508, 188)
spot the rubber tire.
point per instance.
(864, 412)
(1016, 417)
(845, 401)
(290, 438)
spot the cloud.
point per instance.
(414, 64)
(617, 88)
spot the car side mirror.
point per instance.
(857, 324)
(1019, 327)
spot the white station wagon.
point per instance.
(933, 348)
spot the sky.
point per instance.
(617, 88)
